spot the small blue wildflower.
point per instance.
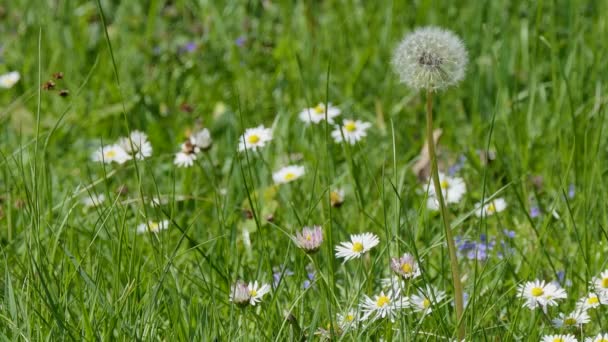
(240, 41)
(571, 191)
(454, 169)
(279, 273)
(534, 212)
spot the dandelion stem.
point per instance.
(458, 298)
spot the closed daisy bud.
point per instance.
(240, 294)
(430, 58)
(309, 239)
(405, 266)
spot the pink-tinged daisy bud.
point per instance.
(406, 266)
(309, 239)
(240, 294)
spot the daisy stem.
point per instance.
(458, 298)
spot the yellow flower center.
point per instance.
(350, 126)
(153, 226)
(445, 184)
(426, 303)
(569, 321)
(110, 154)
(349, 317)
(604, 340)
(289, 176)
(558, 339)
(382, 301)
(253, 292)
(357, 247)
(319, 109)
(334, 197)
(605, 283)
(308, 237)
(537, 291)
(406, 268)
(253, 139)
(491, 208)
(593, 300)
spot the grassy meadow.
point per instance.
(143, 249)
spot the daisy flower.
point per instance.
(255, 138)
(140, 148)
(240, 293)
(317, 113)
(94, 200)
(573, 320)
(256, 292)
(152, 227)
(288, 174)
(336, 198)
(405, 266)
(111, 153)
(600, 283)
(495, 206)
(382, 306)
(559, 338)
(309, 239)
(359, 244)
(540, 294)
(10, 79)
(599, 338)
(426, 299)
(347, 320)
(592, 301)
(187, 156)
(452, 189)
(201, 140)
(352, 130)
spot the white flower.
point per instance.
(93, 200)
(201, 140)
(575, 319)
(141, 147)
(600, 283)
(452, 189)
(152, 227)
(592, 301)
(359, 244)
(430, 58)
(336, 197)
(559, 338)
(288, 174)
(240, 293)
(254, 138)
(183, 159)
(256, 292)
(317, 113)
(405, 266)
(540, 294)
(426, 299)
(383, 305)
(599, 338)
(348, 320)
(353, 131)
(10, 79)
(495, 206)
(111, 153)
(309, 239)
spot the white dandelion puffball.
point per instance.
(430, 58)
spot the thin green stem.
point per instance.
(458, 297)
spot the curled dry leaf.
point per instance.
(422, 167)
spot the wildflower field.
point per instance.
(303, 170)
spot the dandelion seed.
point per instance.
(359, 244)
(405, 266)
(574, 319)
(317, 113)
(426, 299)
(495, 206)
(152, 227)
(430, 58)
(111, 153)
(382, 306)
(10, 79)
(559, 338)
(352, 130)
(309, 239)
(140, 148)
(288, 174)
(539, 294)
(255, 138)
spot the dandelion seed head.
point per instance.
(430, 58)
